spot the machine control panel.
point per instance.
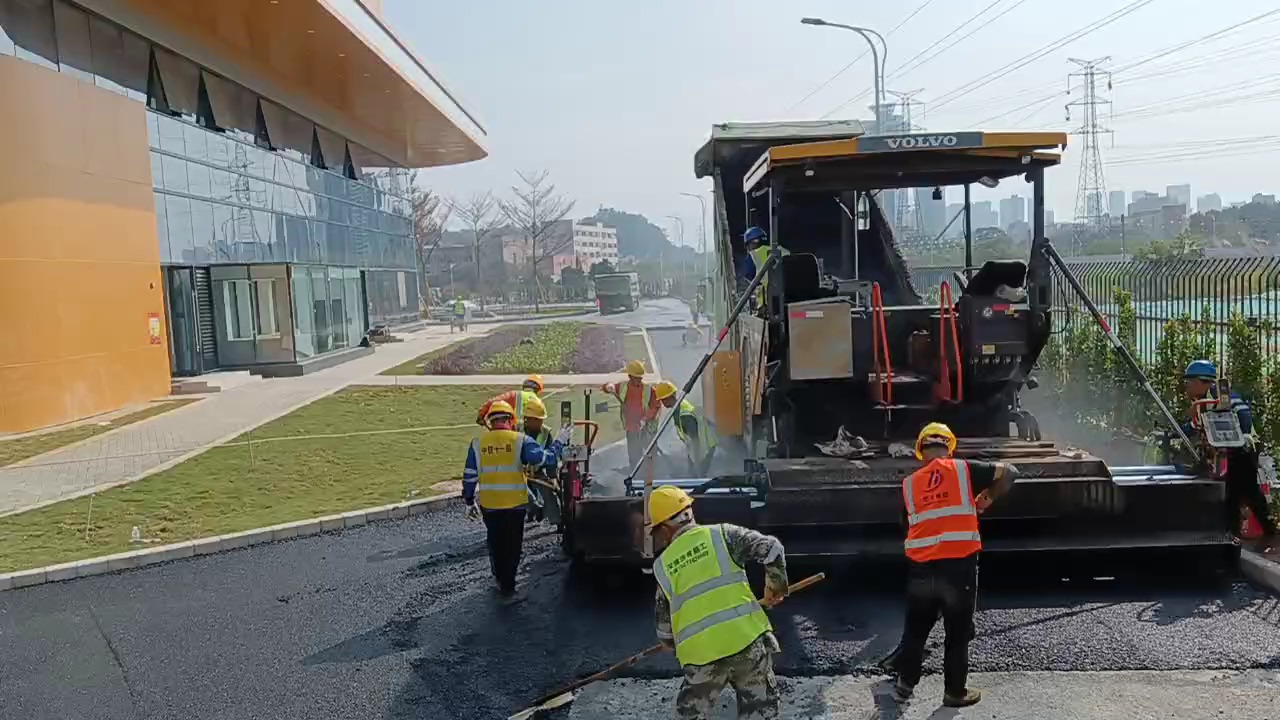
(1222, 429)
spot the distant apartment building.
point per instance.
(983, 215)
(1179, 194)
(1140, 195)
(1013, 209)
(933, 213)
(1262, 199)
(1115, 203)
(1209, 203)
(1048, 218)
(1093, 205)
(1158, 213)
(587, 244)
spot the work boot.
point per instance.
(902, 692)
(970, 697)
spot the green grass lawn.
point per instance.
(18, 449)
(230, 489)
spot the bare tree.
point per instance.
(535, 210)
(480, 213)
(430, 214)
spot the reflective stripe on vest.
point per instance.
(943, 530)
(501, 478)
(706, 437)
(714, 614)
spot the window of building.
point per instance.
(28, 24)
(234, 108)
(71, 27)
(120, 59)
(289, 133)
(181, 80)
(268, 325)
(238, 303)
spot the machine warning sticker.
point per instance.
(988, 349)
(802, 314)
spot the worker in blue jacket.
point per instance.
(1200, 380)
(494, 486)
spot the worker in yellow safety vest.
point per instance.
(530, 390)
(943, 500)
(535, 417)
(494, 486)
(693, 429)
(707, 612)
(757, 243)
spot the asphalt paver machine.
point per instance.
(823, 385)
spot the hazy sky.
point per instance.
(614, 97)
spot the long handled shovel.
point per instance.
(565, 695)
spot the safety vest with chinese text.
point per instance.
(942, 519)
(501, 477)
(714, 614)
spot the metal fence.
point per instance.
(1208, 289)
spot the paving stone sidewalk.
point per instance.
(155, 444)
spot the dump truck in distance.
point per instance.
(617, 292)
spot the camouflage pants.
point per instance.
(749, 673)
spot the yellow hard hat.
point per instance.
(534, 382)
(666, 502)
(501, 407)
(534, 408)
(935, 430)
(634, 368)
(664, 390)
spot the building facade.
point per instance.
(203, 186)
(1179, 194)
(1116, 205)
(1013, 209)
(1209, 203)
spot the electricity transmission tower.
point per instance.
(908, 221)
(1091, 189)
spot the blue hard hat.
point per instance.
(753, 233)
(1201, 370)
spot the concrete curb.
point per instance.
(653, 357)
(1260, 571)
(515, 318)
(219, 543)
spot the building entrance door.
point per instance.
(184, 354)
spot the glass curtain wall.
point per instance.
(240, 181)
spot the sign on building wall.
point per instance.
(153, 327)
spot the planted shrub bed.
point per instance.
(558, 347)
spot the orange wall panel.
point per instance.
(79, 255)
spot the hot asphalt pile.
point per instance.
(399, 620)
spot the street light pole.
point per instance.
(680, 244)
(702, 233)
(878, 59)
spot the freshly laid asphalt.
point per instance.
(398, 620)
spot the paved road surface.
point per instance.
(397, 620)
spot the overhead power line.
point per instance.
(912, 63)
(1250, 49)
(857, 59)
(1031, 57)
(1196, 41)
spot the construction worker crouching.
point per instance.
(639, 409)
(530, 390)
(493, 485)
(1200, 380)
(694, 430)
(943, 500)
(707, 612)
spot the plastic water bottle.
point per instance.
(136, 535)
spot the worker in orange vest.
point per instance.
(531, 389)
(639, 409)
(943, 500)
